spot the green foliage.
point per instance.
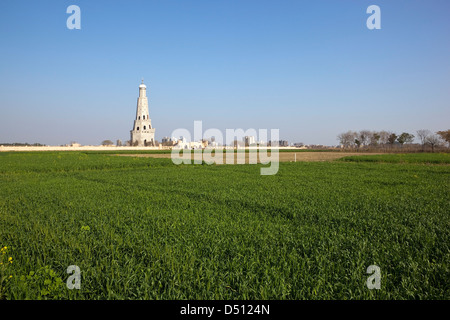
(445, 135)
(392, 138)
(107, 143)
(44, 283)
(405, 138)
(143, 228)
(6, 262)
(424, 158)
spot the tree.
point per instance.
(107, 143)
(433, 140)
(405, 138)
(445, 135)
(347, 138)
(422, 135)
(384, 135)
(374, 138)
(364, 137)
(391, 139)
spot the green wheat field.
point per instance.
(144, 228)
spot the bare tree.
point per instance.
(433, 140)
(422, 135)
(384, 136)
(347, 138)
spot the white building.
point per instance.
(249, 140)
(142, 134)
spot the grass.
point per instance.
(143, 228)
(425, 158)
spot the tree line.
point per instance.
(367, 139)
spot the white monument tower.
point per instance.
(142, 134)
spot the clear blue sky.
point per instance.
(309, 68)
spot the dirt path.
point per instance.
(283, 156)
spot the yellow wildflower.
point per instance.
(10, 259)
